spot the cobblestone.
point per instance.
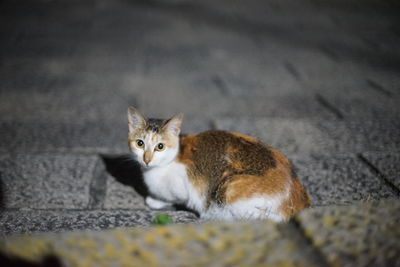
(35, 221)
(387, 164)
(340, 179)
(288, 135)
(46, 181)
(358, 235)
(210, 244)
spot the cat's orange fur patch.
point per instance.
(188, 145)
(247, 186)
(232, 150)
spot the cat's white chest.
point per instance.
(168, 183)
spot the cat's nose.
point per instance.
(147, 157)
(146, 160)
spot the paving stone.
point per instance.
(217, 244)
(39, 181)
(382, 135)
(387, 164)
(88, 136)
(373, 106)
(339, 179)
(37, 76)
(40, 47)
(198, 96)
(359, 235)
(386, 83)
(316, 135)
(33, 221)
(288, 135)
(81, 137)
(60, 99)
(358, 92)
(365, 134)
(43, 18)
(192, 125)
(120, 196)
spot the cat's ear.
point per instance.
(174, 124)
(135, 119)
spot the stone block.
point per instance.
(387, 164)
(34, 221)
(359, 235)
(339, 179)
(360, 135)
(123, 196)
(376, 135)
(73, 137)
(40, 95)
(288, 135)
(360, 102)
(203, 100)
(193, 125)
(46, 181)
(213, 244)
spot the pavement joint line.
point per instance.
(317, 253)
(380, 175)
(330, 53)
(220, 84)
(325, 103)
(379, 88)
(98, 186)
(213, 125)
(292, 70)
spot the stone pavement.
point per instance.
(319, 80)
(317, 237)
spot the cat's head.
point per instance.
(153, 142)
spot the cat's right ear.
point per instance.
(135, 119)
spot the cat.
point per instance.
(220, 175)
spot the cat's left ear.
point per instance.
(174, 124)
(135, 119)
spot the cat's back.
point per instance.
(214, 152)
(228, 167)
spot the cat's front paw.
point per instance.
(157, 204)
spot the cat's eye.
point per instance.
(140, 143)
(160, 147)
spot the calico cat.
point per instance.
(221, 175)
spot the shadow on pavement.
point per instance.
(50, 261)
(126, 171)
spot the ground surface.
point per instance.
(319, 80)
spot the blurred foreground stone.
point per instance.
(358, 235)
